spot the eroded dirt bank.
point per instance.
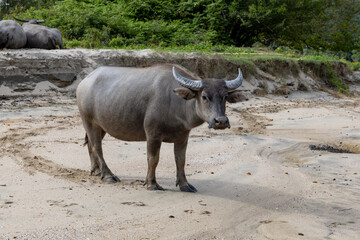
(24, 72)
(257, 180)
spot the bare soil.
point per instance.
(257, 180)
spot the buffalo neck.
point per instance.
(191, 113)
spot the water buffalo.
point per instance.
(12, 35)
(155, 104)
(39, 36)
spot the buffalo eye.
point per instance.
(204, 98)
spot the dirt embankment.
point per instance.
(42, 71)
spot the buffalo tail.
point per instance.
(86, 140)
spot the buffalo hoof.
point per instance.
(155, 187)
(188, 188)
(95, 172)
(112, 179)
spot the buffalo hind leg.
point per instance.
(153, 154)
(95, 169)
(95, 135)
(180, 154)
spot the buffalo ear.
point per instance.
(185, 93)
(235, 96)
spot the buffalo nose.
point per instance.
(221, 123)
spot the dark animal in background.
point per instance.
(39, 36)
(12, 35)
(155, 104)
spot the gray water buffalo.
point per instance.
(155, 104)
(12, 35)
(39, 36)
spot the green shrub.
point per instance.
(355, 66)
(73, 44)
(319, 25)
(335, 81)
(117, 42)
(283, 49)
(355, 56)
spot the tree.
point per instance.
(341, 28)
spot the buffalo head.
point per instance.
(210, 96)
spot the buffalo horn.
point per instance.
(40, 21)
(188, 83)
(20, 20)
(233, 84)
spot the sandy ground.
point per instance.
(257, 180)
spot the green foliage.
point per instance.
(118, 23)
(72, 44)
(16, 6)
(335, 81)
(283, 49)
(355, 66)
(318, 25)
(341, 28)
(355, 56)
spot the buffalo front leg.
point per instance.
(180, 153)
(153, 154)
